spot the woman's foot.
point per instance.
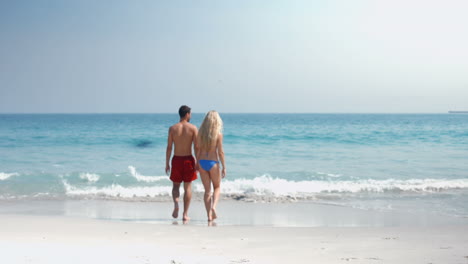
(210, 216)
(213, 214)
(185, 217)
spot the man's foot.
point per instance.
(213, 213)
(175, 213)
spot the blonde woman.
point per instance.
(209, 154)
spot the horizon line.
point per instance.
(136, 113)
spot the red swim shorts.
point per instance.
(183, 169)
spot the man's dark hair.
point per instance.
(184, 110)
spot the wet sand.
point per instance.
(132, 232)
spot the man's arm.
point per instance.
(170, 142)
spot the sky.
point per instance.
(242, 56)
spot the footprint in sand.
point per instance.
(348, 259)
(240, 261)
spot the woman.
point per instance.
(210, 152)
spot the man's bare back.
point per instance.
(183, 136)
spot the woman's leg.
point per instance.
(206, 180)
(215, 174)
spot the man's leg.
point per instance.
(187, 198)
(175, 197)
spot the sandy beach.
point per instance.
(27, 237)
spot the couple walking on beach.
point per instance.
(207, 143)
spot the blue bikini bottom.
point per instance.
(207, 164)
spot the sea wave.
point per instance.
(266, 187)
(116, 191)
(142, 178)
(5, 176)
(90, 177)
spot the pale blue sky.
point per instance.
(233, 56)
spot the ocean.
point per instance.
(382, 162)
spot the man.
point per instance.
(182, 135)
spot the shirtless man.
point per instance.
(182, 135)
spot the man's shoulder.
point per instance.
(174, 127)
(190, 126)
(193, 126)
(179, 126)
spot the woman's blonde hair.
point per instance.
(209, 130)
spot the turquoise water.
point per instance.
(370, 161)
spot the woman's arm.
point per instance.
(221, 154)
(197, 154)
(196, 147)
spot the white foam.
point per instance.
(117, 191)
(266, 185)
(90, 177)
(330, 174)
(142, 178)
(5, 176)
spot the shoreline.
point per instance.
(231, 213)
